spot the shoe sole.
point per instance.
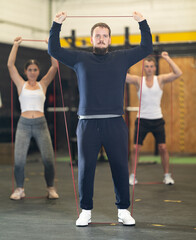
(16, 199)
(120, 221)
(131, 184)
(52, 198)
(83, 225)
(169, 183)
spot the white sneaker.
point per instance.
(125, 218)
(168, 179)
(84, 218)
(17, 194)
(131, 179)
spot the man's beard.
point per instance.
(100, 51)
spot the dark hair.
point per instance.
(150, 59)
(31, 61)
(102, 25)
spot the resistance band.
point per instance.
(12, 128)
(68, 142)
(30, 40)
(98, 16)
(66, 120)
(54, 94)
(136, 151)
(12, 135)
(171, 128)
(171, 133)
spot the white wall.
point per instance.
(30, 18)
(162, 15)
(25, 18)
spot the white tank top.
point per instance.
(151, 100)
(32, 100)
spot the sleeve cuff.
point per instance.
(56, 25)
(143, 24)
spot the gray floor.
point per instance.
(43, 219)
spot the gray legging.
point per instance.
(38, 129)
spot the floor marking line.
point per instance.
(173, 201)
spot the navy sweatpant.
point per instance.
(112, 133)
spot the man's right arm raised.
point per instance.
(65, 56)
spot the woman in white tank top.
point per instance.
(32, 122)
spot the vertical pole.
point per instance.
(127, 102)
(49, 13)
(156, 151)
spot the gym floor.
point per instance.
(160, 211)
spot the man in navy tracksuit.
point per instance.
(101, 77)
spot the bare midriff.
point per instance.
(32, 114)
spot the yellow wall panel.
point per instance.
(135, 39)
